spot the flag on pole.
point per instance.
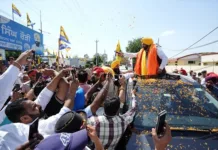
(63, 40)
(63, 45)
(62, 59)
(118, 49)
(68, 49)
(29, 23)
(39, 60)
(63, 36)
(15, 10)
(57, 59)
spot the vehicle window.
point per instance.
(182, 101)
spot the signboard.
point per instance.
(14, 36)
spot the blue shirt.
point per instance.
(79, 101)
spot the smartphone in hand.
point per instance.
(38, 75)
(16, 88)
(33, 128)
(32, 57)
(73, 72)
(161, 123)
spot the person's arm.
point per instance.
(129, 115)
(2, 113)
(32, 143)
(128, 75)
(30, 95)
(48, 126)
(163, 57)
(8, 78)
(101, 96)
(69, 102)
(46, 94)
(93, 136)
(130, 55)
(93, 89)
(122, 88)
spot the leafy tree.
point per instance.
(134, 45)
(75, 56)
(99, 58)
(14, 54)
(89, 64)
(86, 56)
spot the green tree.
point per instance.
(14, 54)
(88, 64)
(99, 58)
(134, 45)
(75, 56)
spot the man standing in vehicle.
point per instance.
(150, 60)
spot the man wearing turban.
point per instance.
(150, 60)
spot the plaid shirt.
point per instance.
(110, 129)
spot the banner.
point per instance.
(14, 36)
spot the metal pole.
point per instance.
(12, 15)
(104, 58)
(213, 65)
(96, 52)
(57, 61)
(40, 22)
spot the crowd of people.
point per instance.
(209, 80)
(73, 108)
(63, 107)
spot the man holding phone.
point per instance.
(162, 142)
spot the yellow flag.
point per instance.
(15, 10)
(39, 60)
(68, 49)
(57, 59)
(63, 35)
(28, 19)
(118, 49)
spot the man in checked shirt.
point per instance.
(111, 126)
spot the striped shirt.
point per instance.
(110, 129)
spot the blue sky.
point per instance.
(178, 23)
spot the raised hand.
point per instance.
(64, 72)
(161, 143)
(74, 85)
(32, 143)
(109, 77)
(22, 59)
(122, 80)
(92, 133)
(49, 72)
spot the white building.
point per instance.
(196, 62)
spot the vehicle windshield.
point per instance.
(187, 105)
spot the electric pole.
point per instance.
(158, 42)
(96, 52)
(40, 22)
(104, 57)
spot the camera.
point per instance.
(116, 80)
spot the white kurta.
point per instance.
(160, 53)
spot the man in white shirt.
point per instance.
(204, 75)
(26, 111)
(9, 77)
(150, 60)
(14, 135)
